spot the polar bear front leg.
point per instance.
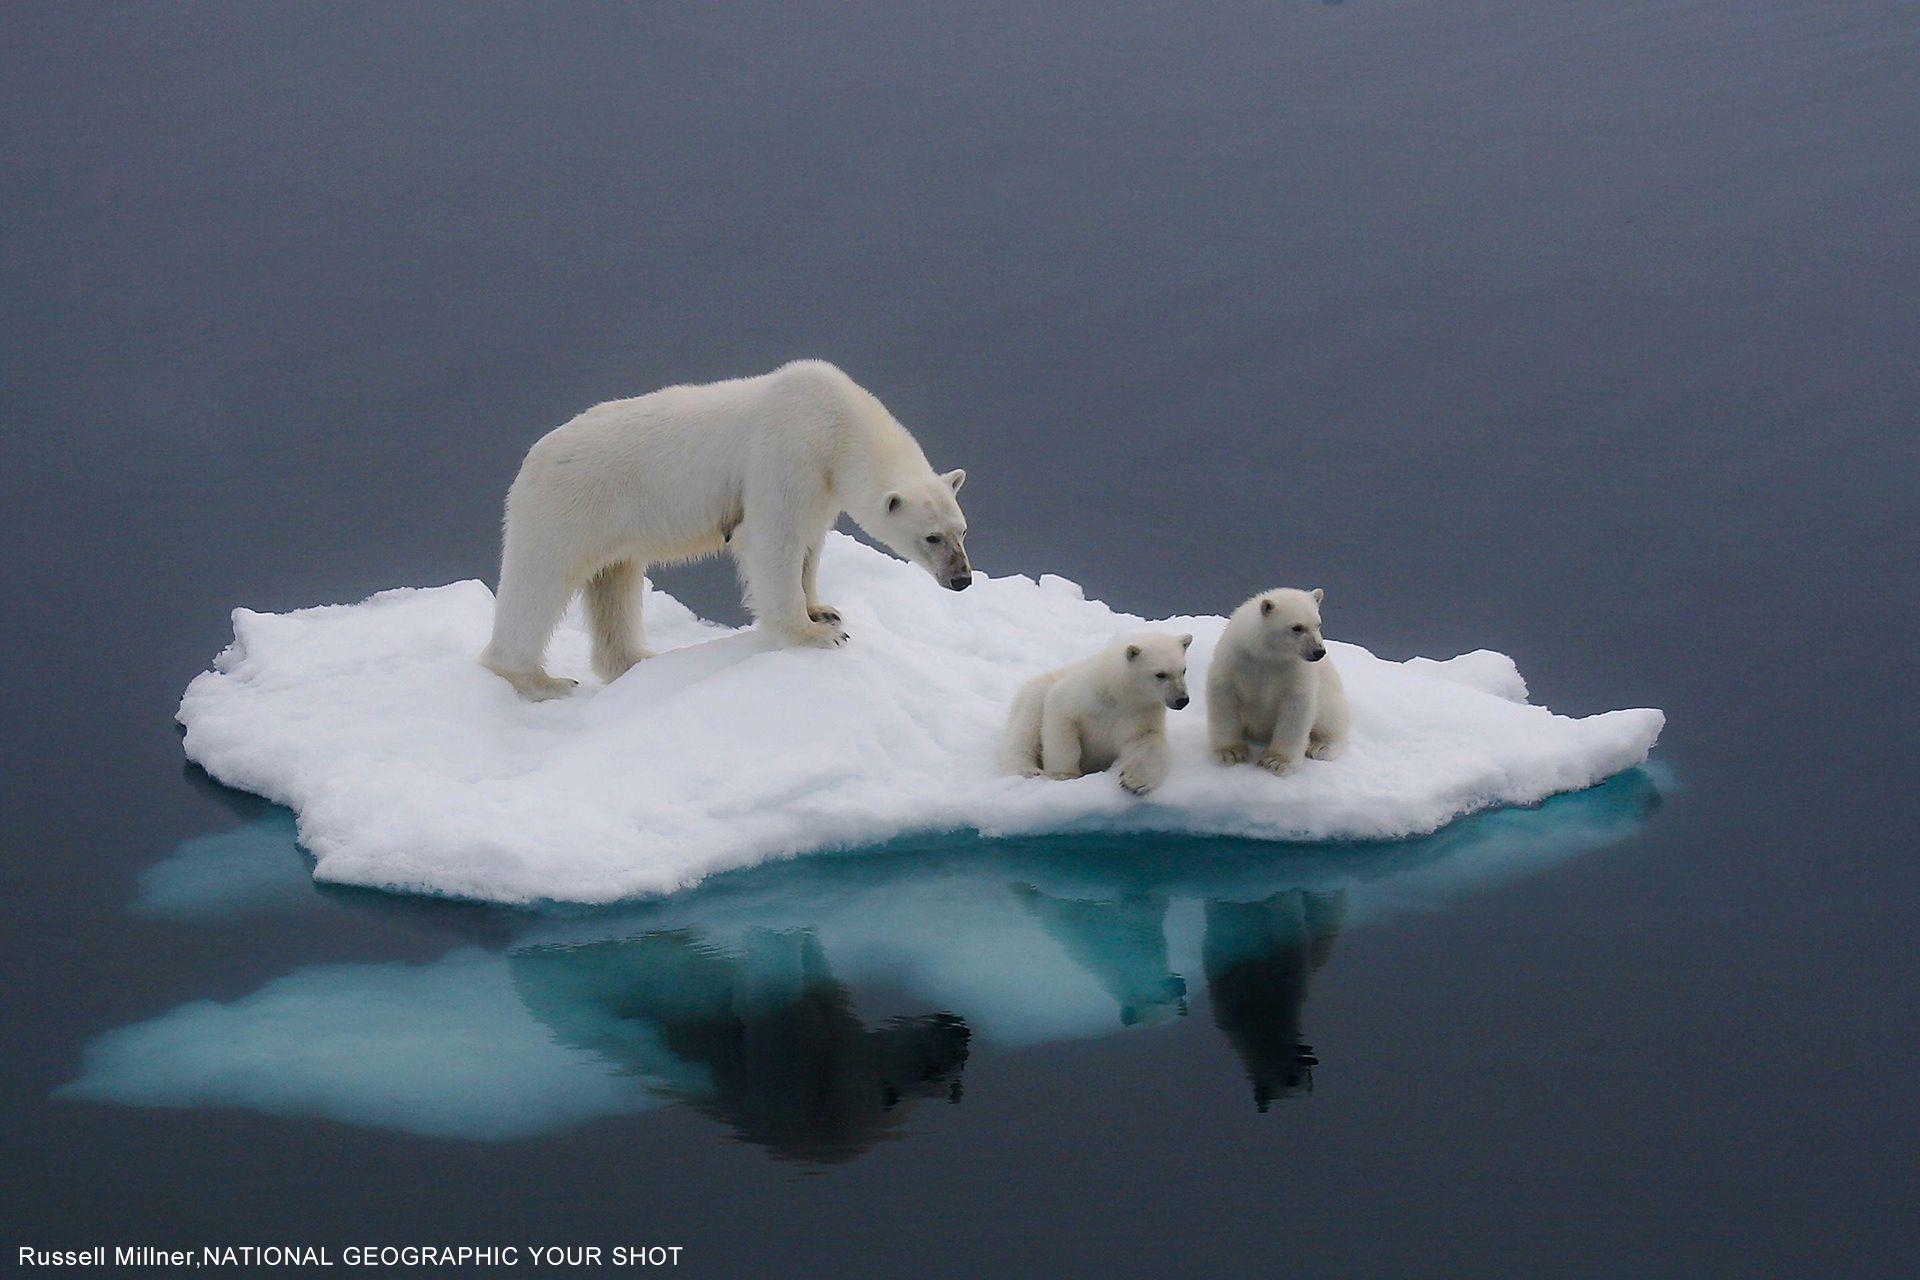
(809, 574)
(773, 566)
(1143, 764)
(1290, 731)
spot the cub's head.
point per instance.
(1290, 622)
(923, 524)
(1156, 666)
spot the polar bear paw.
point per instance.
(1237, 753)
(611, 666)
(824, 613)
(821, 635)
(1137, 781)
(1274, 762)
(1325, 749)
(538, 686)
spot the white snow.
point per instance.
(411, 768)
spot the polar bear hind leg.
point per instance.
(531, 599)
(614, 597)
(1020, 744)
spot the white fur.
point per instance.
(1105, 710)
(1265, 690)
(761, 467)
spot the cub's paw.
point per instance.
(1274, 762)
(1136, 782)
(824, 613)
(1235, 754)
(1320, 749)
(1059, 775)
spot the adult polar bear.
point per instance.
(761, 467)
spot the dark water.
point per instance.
(1585, 332)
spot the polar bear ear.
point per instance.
(893, 503)
(1186, 641)
(1318, 595)
(955, 479)
(1266, 607)
(1133, 651)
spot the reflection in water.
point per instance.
(1122, 945)
(744, 997)
(1258, 957)
(767, 1041)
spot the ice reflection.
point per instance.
(807, 1005)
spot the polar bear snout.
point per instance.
(1178, 701)
(1318, 652)
(948, 563)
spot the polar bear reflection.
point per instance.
(1259, 957)
(721, 996)
(767, 1042)
(1121, 945)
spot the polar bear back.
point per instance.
(672, 469)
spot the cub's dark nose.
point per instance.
(1316, 655)
(960, 581)
(1179, 703)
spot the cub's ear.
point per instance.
(893, 503)
(1318, 595)
(1133, 651)
(1266, 607)
(955, 479)
(1186, 641)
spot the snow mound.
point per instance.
(412, 768)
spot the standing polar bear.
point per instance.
(1105, 710)
(1270, 685)
(761, 467)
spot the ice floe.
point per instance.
(412, 768)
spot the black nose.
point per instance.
(960, 581)
(1179, 703)
(1316, 655)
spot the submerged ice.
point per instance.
(412, 768)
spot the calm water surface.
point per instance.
(1586, 333)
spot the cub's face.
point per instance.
(1157, 666)
(924, 525)
(1290, 623)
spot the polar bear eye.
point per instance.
(1298, 627)
(1159, 675)
(935, 539)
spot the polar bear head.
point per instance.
(1155, 667)
(922, 523)
(1290, 622)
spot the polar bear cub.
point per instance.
(1105, 710)
(1271, 688)
(761, 467)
